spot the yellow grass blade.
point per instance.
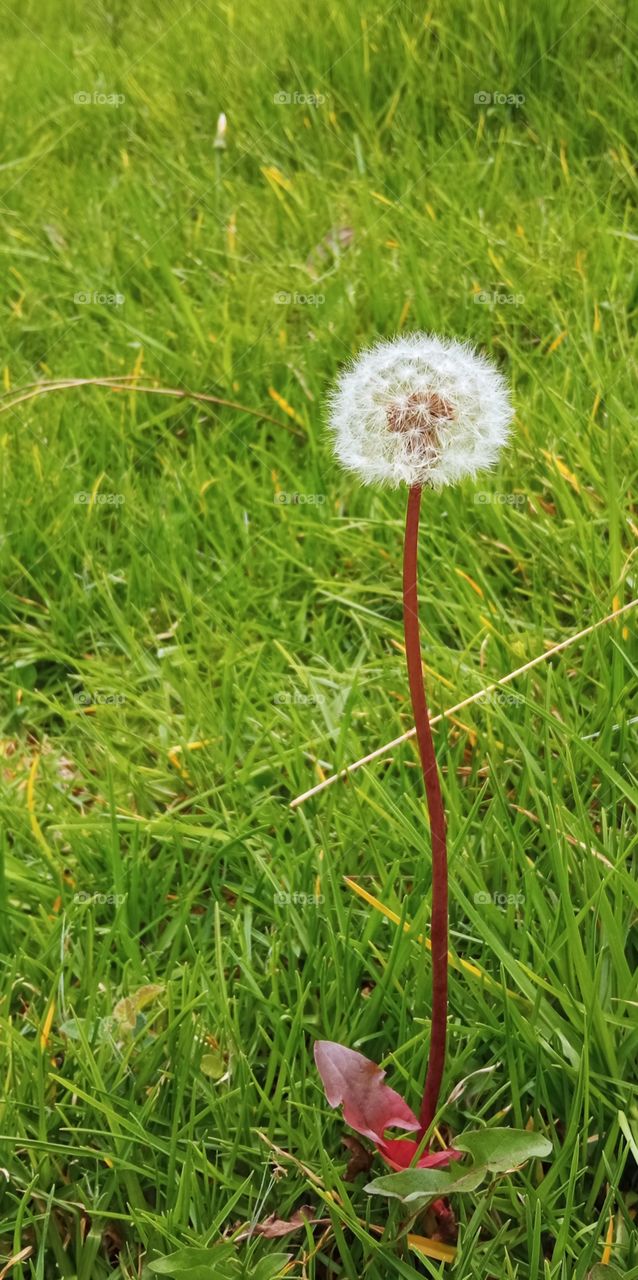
(432, 1248)
(455, 961)
(609, 1240)
(35, 825)
(46, 1025)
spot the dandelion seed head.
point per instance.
(419, 410)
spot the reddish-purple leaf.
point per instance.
(399, 1153)
(440, 1221)
(369, 1106)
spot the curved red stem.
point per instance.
(439, 926)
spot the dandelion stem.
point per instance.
(439, 925)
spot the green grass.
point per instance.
(200, 608)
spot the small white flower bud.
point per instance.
(220, 136)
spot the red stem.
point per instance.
(439, 926)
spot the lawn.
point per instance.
(201, 619)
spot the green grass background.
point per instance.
(204, 609)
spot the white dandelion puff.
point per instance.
(419, 410)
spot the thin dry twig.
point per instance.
(466, 702)
(129, 383)
(17, 1257)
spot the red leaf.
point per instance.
(369, 1106)
(399, 1153)
(440, 1221)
